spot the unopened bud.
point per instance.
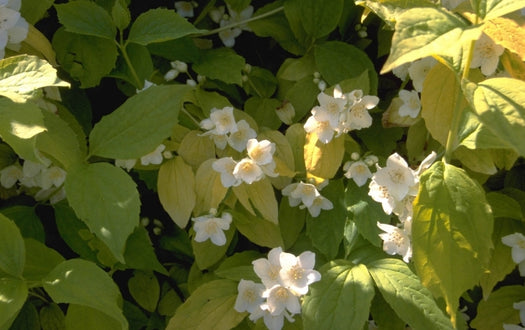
(247, 68)
(171, 74)
(317, 75)
(167, 154)
(179, 65)
(355, 156)
(201, 78)
(321, 85)
(191, 82)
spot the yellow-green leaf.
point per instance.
(451, 218)
(323, 160)
(196, 149)
(208, 188)
(176, 188)
(260, 194)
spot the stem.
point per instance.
(190, 116)
(251, 19)
(252, 85)
(37, 295)
(122, 48)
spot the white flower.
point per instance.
(217, 14)
(171, 74)
(31, 173)
(222, 120)
(512, 327)
(411, 103)
(225, 166)
(333, 106)
(319, 124)
(260, 152)
(297, 273)
(248, 171)
(13, 27)
(451, 4)
(401, 71)
(319, 203)
(418, 71)
(397, 177)
(147, 84)
(301, 192)
(10, 175)
(395, 241)
(52, 176)
(272, 322)
(210, 227)
(249, 297)
(228, 36)
(237, 140)
(154, 157)
(381, 195)
(279, 299)
(357, 171)
(358, 117)
(268, 269)
(486, 55)
(517, 242)
(128, 164)
(184, 8)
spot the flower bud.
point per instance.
(286, 112)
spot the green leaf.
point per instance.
(145, 289)
(326, 231)
(40, 260)
(277, 27)
(498, 308)
(208, 254)
(34, 10)
(21, 76)
(139, 125)
(12, 258)
(116, 198)
(261, 82)
(140, 254)
(52, 317)
(59, 141)
(488, 9)
(499, 104)
(86, 318)
(504, 206)
(81, 282)
(27, 318)
(405, 294)
(85, 58)
(222, 64)
(14, 293)
(422, 32)
(26, 220)
(302, 95)
(120, 14)
(384, 316)
(258, 230)
(501, 263)
(72, 230)
(338, 61)
(140, 65)
(176, 189)
(263, 110)
(239, 266)
(451, 218)
(209, 307)
(208, 188)
(87, 18)
(20, 123)
(341, 300)
(291, 222)
(319, 18)
(158, 25)
(365, 212)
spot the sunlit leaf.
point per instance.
(261, 196)
(451, 218)
(208, 188)
(86, 17)
(323, 159)
(14, 293)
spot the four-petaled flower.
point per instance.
(486, 55)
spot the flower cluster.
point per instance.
(234, 19)
(212, 227)
(395, 187)
(285, 278)
(255, 167)
(308, 196)
(340, 113)
(224, 130)
(154, 158)
(13, 27)
(48, 178)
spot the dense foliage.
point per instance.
(247, 164)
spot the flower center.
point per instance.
(396, 176)
(211, 227)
